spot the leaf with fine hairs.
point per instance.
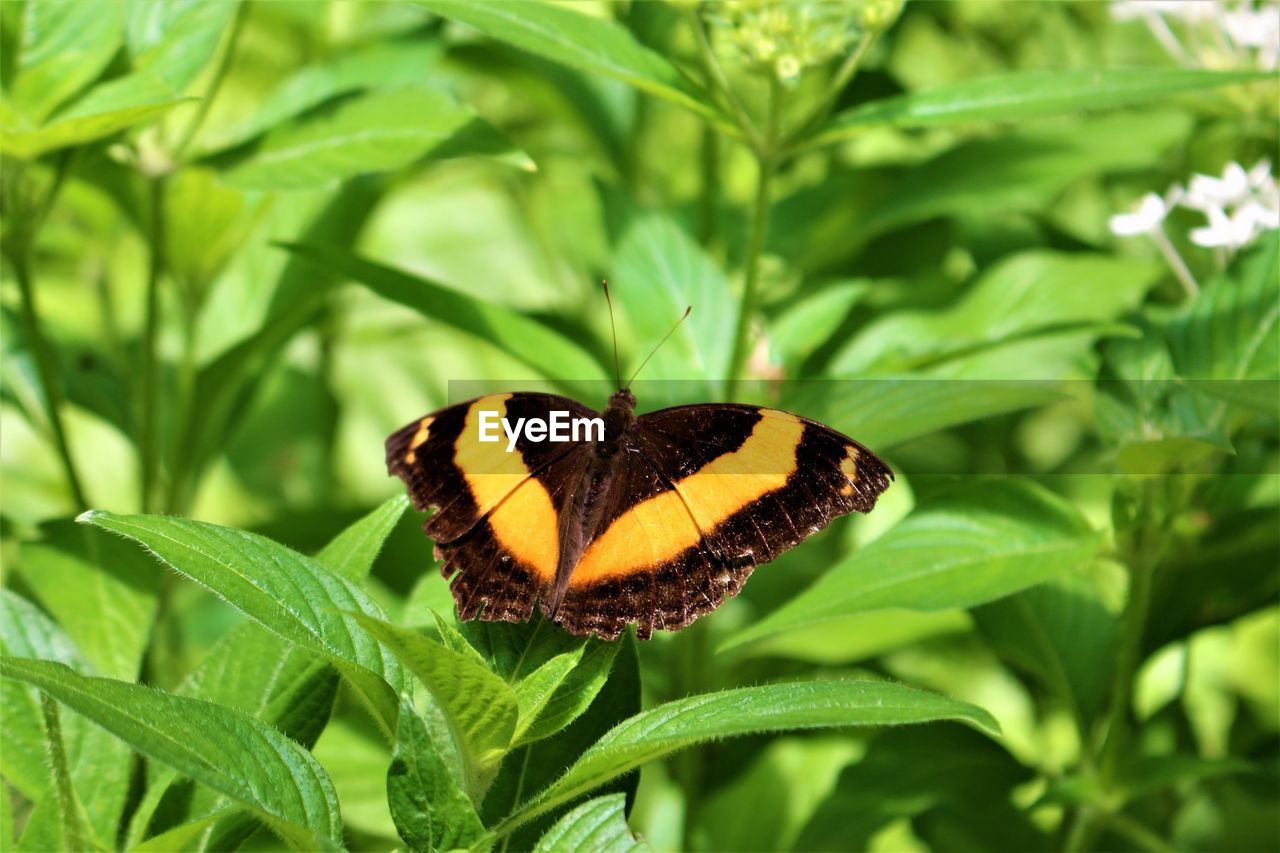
(250, 762)
(599, 824)
(284, 591)
(660, 731)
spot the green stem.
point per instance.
(709, 200)
(766, 163)
(1133, 628)
(21, 259)
(74, 835)
(148, 451)
(740, 115)
(841, 79)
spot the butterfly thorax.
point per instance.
(619, 418)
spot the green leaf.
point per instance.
(102, 589)
(248, 761)
(598, 824)
(658, 272)
(378, 66)
(65, 46)
(1231, 330)
(535, 690)
(588, 43)
(182, 837)
(172, 40)
(357, 758)
(537, 765)
(480, 708)
(80, 126)
(284, 591)
(224, 386)
(525, 654)
(429, 809)
(808, 323)
(1063, 632)
(1032, 291)
(883, 413)
(907, 773)
(542, 348)
(658, 732)
(1026, 170)
(376, 132)
(974, 544)
(351, 553)
(252, 671)
(99, 763)
(1028, 94)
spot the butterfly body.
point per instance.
(654, 523)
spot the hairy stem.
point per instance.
(148, 452)
(74, 834)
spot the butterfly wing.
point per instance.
(760, 481)
(496, 525)
(709, 492)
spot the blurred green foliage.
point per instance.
(243, 242)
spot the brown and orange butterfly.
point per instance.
(655, 523)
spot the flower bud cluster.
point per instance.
(786, 39)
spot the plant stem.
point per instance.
(841, 79)
(147, 450)
(1188, 281)
(74, 834)
(21, 259)
(766, 163)
(709, 201)
(740, 115)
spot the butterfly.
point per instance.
(650, 520)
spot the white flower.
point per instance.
(1205, 192)
(1237, 230)
(1260, 175)
(1146, 219)
(1249, 27)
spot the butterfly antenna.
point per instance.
(683, 317)
(617, 371)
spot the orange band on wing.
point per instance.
(519, 508)
(658, 529)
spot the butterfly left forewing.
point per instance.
(496, 524)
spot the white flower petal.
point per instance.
(1150, 213)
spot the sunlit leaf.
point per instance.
(655, 733)
(248, 761)
(1027, 94)
(588, 43)
(377, 132)
(597, 824)
(480, 708)
(974, 544)
(65, 45)
(284, 591)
